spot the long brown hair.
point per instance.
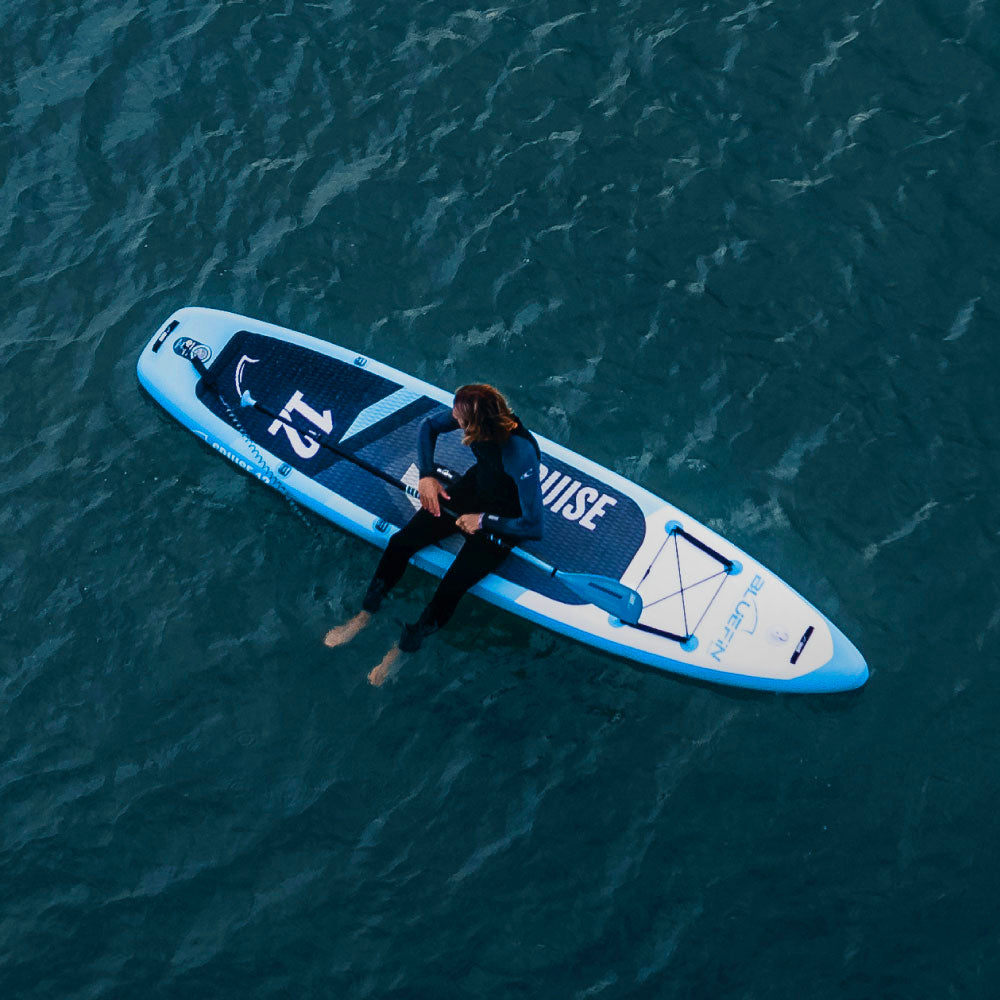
(485, 413)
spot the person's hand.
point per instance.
(431, 491)
(469, 523)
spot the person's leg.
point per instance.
(421, 530)
(477, 557)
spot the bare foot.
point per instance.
(378, 675)
(346, 632)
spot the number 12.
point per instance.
(305, 448)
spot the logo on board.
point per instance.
(745, 618)
(562, 494)
(192, 350)
(240, 461)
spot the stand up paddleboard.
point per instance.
(618, 567)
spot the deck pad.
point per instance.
(590, 527)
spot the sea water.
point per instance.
(743, 253)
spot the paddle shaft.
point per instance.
(322, 440)
(581, 583)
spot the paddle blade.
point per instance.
(607, 594)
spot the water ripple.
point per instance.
(707, 246)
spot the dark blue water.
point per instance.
(745, 255)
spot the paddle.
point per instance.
(603, 592)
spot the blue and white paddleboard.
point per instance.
(708, 610)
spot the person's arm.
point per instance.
(430, 489)
(521, 463)
(437, 423)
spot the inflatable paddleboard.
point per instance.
(708, 610)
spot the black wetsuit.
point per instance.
(503, 485)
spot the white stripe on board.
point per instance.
(379, 411)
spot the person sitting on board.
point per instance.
(500, 497)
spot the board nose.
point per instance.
(845, 670)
